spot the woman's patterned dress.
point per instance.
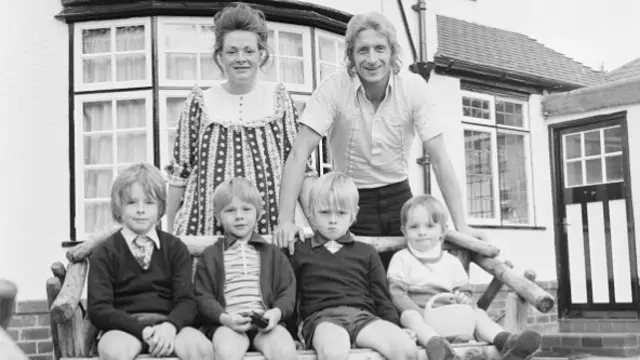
(221, 135)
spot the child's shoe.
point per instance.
(439, 349)
(520, 346)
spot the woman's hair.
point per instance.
(240, 17)
(336, 191)
(238, 187)
(151, 181)
(433, 206)
(382, 25)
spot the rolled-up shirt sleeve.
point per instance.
(424, 109)
(320, 110)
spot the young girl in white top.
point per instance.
(423, 270)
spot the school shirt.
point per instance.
(413, 281)
(372, 147)
(118, 286)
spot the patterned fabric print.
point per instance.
(143, 249)
(242, 279)
(256, 151)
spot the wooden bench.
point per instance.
(74, 336)
(9, 350)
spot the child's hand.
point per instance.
(148, 335)
(165, 335)
(462, 298)
(236, 322)
(273, 315)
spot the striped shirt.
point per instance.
(242, 279)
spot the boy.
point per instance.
(140, 294)
(242, 275)
(344, 298)
(423, 270)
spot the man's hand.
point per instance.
(273, 315)
(476, 233)
(284, 235)
(236, 322)
(165, 335)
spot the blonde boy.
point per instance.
(140, 294)
(344, 297)
(423, 270)
(243, 274)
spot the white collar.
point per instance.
(129, 235)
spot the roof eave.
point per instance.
(446, 64)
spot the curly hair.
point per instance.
(374, 21)
(240, 17)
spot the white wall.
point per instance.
(34, 195)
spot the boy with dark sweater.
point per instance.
(344, 296)
(140, 294)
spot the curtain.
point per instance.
(291, 57)
(129, 66)
(514, 202)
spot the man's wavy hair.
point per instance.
(378, 22)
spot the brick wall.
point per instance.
(30, 328)
(538, 321)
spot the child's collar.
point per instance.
(254, 239)
(319, 240)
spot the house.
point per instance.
(98, 84)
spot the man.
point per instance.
(371, 113)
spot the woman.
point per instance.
(242, 127)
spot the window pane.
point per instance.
(573, 173)
(132, 147)
(98, 149)
(340, 53)
(131, 114)
(96, 116)
(130, 67)
(476, 108)
(208, 69)
(514, 202)
(178, 37)
(592, 143)
(292, 71)
(130, 38)
(97, 217)
(174, 108)
(327, 49)
(572, 146)
(95, 41)
(508, 113)
(480, 197)
(594, 170)
(326, 70)
(97, 183)
(613, 139)
(171, 139)
(290, 44)
(206, 39)
(181, 66)
(615, 171)
(96, 69)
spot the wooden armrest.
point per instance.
(529, 290)
(68, 299)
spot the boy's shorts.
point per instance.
(350, 318)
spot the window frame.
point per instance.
(79, 86)
(80, 167)
(317, 61)
(491, 126)
(307, 58)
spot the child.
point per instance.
(423, 270)
(243, 274)
(140, 294)
(344, 296)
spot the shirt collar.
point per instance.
(129, 235)
(319, 240)
(358, 84)
(254, 239)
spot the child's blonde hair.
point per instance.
(151, 181)
(238, 187)
(434, 206)
(336, 191)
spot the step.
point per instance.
(599, 325)
(601, 344)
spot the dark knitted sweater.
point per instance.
(353, 276)
(119, 287)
